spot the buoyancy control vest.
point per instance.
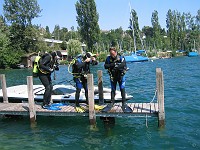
(36, 66)
(117, 72)
(80, 71)
(75, 70)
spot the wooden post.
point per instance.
(160, 97)
(90, 83)
(100, 86)
(51, 101)
(4, 90)
(31, 102)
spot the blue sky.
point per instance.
(112, 13)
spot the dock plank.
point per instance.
(144, 108)
(69, 110)
(140, 105)
(135, 109)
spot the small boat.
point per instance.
(136, 57)
(60, 93)
(193, 54)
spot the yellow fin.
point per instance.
(79, 110)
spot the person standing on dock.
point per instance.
(80, 69)
(47, 64)
(116, 66)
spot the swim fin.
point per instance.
(79, 110)
(107, 108)
(98, 107)
(54, 108)
(126, 109)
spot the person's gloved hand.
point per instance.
(51, 70)
(94, 62)
(88, 60)
(56, 67)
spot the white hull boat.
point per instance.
(60, 93)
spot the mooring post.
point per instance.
(160, 97)
(90, 83)
(31, 102)
(4, 90)
(100, 86)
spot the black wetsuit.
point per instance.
(116, 68)
(45, 69)
(80, 71)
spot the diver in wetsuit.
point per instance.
(80, 69)
(46, 65)
(116, 66)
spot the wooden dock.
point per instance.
(139, 110)
(34, 109)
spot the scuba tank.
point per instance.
(35, 66)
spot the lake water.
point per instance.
(182, 107)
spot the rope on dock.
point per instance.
(154, 96)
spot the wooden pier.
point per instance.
(139, 110)
(33, 109)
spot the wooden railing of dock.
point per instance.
(33, 109)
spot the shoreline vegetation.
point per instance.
(19, 37)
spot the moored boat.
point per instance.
(193, 54)
(136, 57)
(60, 93)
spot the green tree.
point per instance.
(104, 40)
(181, 30)
(8, 57)
(172, 26)
(63, 45)
(74, 47)
(87, 18)
(156, 29)
(198, 19)
(198, 29)
(72, 34)
(149, 42)
(56, 32)
(3, 26)
(63, 34)
(47, 33)
(20, 13)
(135, 31)
(115, 37)
(169, 25)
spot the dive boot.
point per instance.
(77, 105)
(125, 107)
(46, 106)
(109, 106)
